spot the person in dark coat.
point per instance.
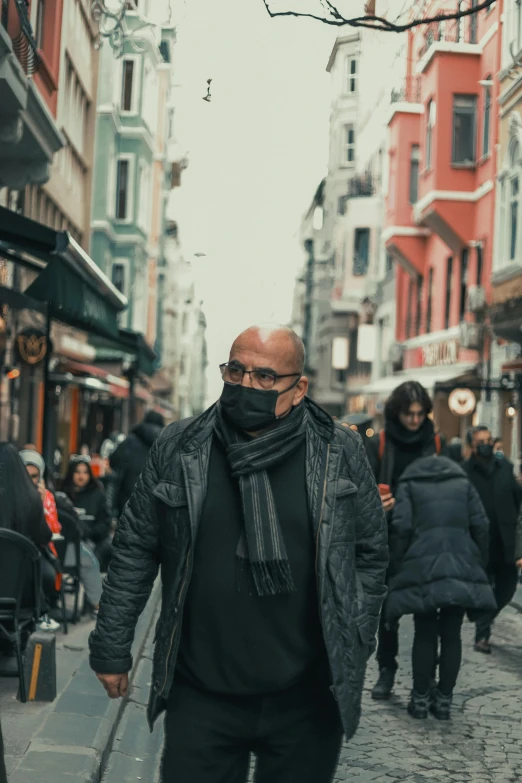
(266, 521)
(87, 494)
(129, 458)
(438, 554)
(499, 491)
(408, 435)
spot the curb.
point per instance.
(75, 739)
(517, 606)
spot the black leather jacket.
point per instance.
(159, 527)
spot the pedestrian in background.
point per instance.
(455, 450)
(129, 458)
(268, 526)
(499, 492)
(87, 494)
(438, 555)
(408, 435)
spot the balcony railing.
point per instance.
(365, 185)
(408, 92)
(463, 30)
(24, 44)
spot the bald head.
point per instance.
(279, 342)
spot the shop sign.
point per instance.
(32, 346)
(462, 402)
(440, 354)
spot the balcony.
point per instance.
(456, 36)
(28, 136)
(363, 186)
(408, 92)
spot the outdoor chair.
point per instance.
(20, 590)
(70, 573)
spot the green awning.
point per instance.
(73, 287)
(72, 300)
(130, 346)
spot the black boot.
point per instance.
(384, 685)
(419, 705)
(441, 705)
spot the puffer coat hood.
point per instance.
(438, 542)
(147, 432)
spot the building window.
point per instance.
(122, 189)
(449, 285)
(430, 124)
(348, 144)
(409, 297)
(513, 217)
(464, 264)
(361, 251)
(429, 304)
(414, 173)
(40, 21)
(119, 277)
(464, 128)
(127, 83)
(388, 263)
(473, 24)
(480, 264)
(351, 74)
(420, 288)
(487, 117)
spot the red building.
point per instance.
(440, 207)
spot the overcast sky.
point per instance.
(257, 153)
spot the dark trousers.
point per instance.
(296, 736)
(445, 624)
(504, 578)
(387, 643)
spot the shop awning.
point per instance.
(428, 376)
(129, 346)
(75, 289)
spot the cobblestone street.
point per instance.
(483, 742)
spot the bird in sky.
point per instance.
(208, 96)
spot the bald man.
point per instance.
(268, 526)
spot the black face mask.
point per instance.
(251, 409)
(485, 451)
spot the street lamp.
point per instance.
(111, 18)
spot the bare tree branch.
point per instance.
(376, 22)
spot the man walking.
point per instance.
(129, 458)
(500, 495)
(268, 526)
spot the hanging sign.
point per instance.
(32, 346)
(441, 353)
(462, 402)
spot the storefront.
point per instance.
(56, 283)
(442, 366)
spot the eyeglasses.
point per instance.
(261, 379)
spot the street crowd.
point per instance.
(286, 544)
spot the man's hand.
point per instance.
(519, 563)
(388, 501)
(116, 685)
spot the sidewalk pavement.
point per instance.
(70, 738)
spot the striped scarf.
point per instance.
(261, 542)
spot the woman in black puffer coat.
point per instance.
(439, 540)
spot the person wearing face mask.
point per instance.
(267, 523)
(408, 435)
(500, 495)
